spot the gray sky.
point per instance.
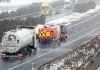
(23, 2)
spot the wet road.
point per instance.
(96, 65)
(77, 34)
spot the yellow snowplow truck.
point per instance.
(45, 9)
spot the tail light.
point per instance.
(20, 55)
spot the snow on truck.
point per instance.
(19, 42)
(51, 33)
(46, 8)
(16, 43)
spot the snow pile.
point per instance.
(75, 58)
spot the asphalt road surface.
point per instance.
(77, 34)
(95, 65)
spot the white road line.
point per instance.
(98, 68)
(47, 52)
(84, 20)
(53, 50)
(29, 61)
(75, 40)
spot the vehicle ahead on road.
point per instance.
(20, 42)
(46, 9)
(51, 33)
(17, 43)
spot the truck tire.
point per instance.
(5, 59)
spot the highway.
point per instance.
(73, 42)
(31, 14)
(77, 34)
(75, 38)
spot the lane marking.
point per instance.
(84, 20)
(58, 48)
(54, 49)
(98, 68)
(50, 51)
(86, 29)
(76, 40)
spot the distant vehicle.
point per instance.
(57, 12)
(51, 33)
(46, 9)
(68, 4)
(17, 43)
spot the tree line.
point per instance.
(6, 25)
(33, 8)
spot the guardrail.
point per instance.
(37, 13)
(76, 58)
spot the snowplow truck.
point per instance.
(50, 33)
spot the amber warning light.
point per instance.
(45, 34)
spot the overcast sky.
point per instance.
(22, 2)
